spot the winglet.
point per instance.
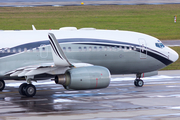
(58, 55)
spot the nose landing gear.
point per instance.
(138, 82)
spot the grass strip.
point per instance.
(155, 20)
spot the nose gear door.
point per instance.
(143, 48)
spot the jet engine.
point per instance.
(82, 78)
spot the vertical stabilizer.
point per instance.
(33, 27)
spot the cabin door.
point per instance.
(43, 51)
(143, 48)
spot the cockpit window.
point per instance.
(162, 46)
(159, 45)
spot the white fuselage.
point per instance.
(122, 52)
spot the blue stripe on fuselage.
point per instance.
(88, 41)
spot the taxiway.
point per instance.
(157, 99)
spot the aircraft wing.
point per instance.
(59, 66)
(48, 68)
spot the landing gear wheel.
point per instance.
(2, 85)
(30, 90)
(138, 83)
(22, 88)
(135, 83)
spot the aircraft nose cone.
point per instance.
(174, 56)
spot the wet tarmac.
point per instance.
(157, 99)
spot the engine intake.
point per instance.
(91, 77)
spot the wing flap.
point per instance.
(23, 73)
(15, 74)
(39, 71)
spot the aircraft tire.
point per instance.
(138, 83)
(30, 90)
(22, 88)
(135, 83)
(2, 85)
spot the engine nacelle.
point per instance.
(91, 77)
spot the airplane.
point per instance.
(79, 59)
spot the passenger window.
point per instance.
(131, 48)
(105, 48)
(25, 49)
(14, 50)
(85, 48)
(100, 48)
(122, 47)
(90, 48)
(69, 48)
(80, 49)
(127, 48)
(115, 48)
(95, 48)
(43, 49)
(19, 50)
(64, 48)
(110, 48)
(8, 50)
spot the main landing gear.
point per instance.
(25, 89)
(28, 90)
(2, 85)
(138, 82)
